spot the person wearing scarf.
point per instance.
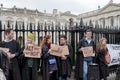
(49, 65)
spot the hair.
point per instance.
(88, 30)
(7, 31)
(63, 36)
(100, 46)
(44, 40)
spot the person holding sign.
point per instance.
(49, 64)
(103, 58)
(84, 56)
(29, 61)
(14, 48)
(65, 62)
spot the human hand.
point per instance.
(63, 57)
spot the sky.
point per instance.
(75, 6)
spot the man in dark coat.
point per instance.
(65, 62)
(13, 45)
(82, 63)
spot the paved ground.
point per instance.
(112, 77)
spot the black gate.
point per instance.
(74, 33)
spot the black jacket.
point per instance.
(103, 67)
(46, 67)
(4, 63)
(65, 66)
(28, 71)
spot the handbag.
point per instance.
(52, 61)
(108, 58)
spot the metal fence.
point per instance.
(73, 33)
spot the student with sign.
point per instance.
(103, 58)
(82, 61)
(13, 48)
(49, 64)
(65, 62)
(29, 61)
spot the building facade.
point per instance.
(108, 16)
(27, 16)
(15, 15)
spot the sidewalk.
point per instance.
(112, 77)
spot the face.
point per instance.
(29, 41)
(104, 42)
(49, 40)
(10, 35)
(89, 35)
(62, 41)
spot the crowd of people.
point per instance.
(19, 67)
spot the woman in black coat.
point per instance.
(49, 64)
(101, 53)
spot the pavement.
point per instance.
(111, 77)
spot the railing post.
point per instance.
(0, 31)
(38, 31)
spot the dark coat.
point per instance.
(103, 67)
(65, 66)
(46, 68)
(29, 72)
(4, 63)
(79, 57)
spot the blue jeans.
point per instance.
(85, 69)
(64, 78)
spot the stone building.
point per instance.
(107, 16)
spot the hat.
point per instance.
(31, 36)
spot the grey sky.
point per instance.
(75, 6)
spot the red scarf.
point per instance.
(49, 45)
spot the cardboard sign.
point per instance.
(4, 49)
(87, 51)
(32, 51)
(65, 50)
(57, 50)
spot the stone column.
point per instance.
(106, 21)
(115, 18)
(118, 21)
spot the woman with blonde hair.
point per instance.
(49, 64)
(29, 64)
(102, 53)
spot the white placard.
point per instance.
(114, 51)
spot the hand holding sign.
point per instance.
(59, 51)
(32, 51)
(87, 51)
(55, 50)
